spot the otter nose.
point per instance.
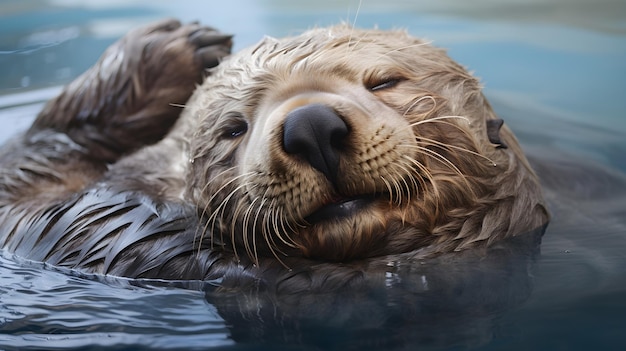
(315, 133)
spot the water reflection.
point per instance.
(453, 300)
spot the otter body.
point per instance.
(338, 145)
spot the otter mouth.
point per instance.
(340, 208)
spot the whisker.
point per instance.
(220, 211)
(245, 225)
(213, 218)
(274, 223)
(454, 167)
(423, 169)
(254, 226)
(425, 172)
(208, 203)
(208, 184)
(440, 157)
(417, 101)
(270, 226)
(398, 189)
(416, 178)
(406, 185)
(455, 147)
(234, 179)
(269, 239)
(388, 189)
(218, 191)
(356, 15)
(288, 242)
(400, 180)
(439, 118)
(351, 47)
(285, 231)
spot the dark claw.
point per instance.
(204, 37)
(210, 56)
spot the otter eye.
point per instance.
(383, 84)
(235, 129)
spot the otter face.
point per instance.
(344, 143)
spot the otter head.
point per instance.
(343, 143)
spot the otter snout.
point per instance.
(316, 134)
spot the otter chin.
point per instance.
(344, 208)
(338, 144)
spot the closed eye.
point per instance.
(384, 84)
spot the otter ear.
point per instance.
(493, 132)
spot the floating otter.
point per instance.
(336, 146)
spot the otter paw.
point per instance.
(166, 25)
(181, 51)
(211, 45)
(132, 96)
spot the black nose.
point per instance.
(315, 132)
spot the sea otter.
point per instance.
(338, 146)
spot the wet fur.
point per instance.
(110, 180)
(448, 187)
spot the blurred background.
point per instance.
(559, 58)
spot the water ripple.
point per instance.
(44, 309)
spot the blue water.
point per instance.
(555, 71)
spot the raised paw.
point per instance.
(211, 45)
(132, 96)
(174, 55)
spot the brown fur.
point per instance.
(421, 145)
(203, 201)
